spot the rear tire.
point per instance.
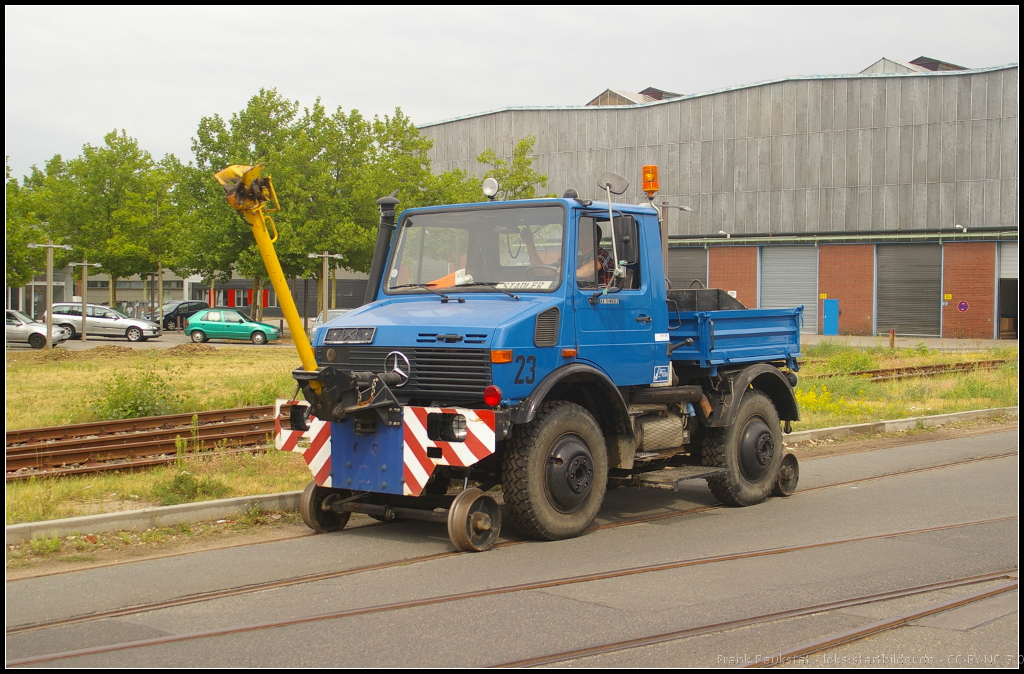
(198, 336)
(70, 329)
(750, 450)
(554, 472)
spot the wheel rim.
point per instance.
(757, 447)
(134, 334)
(258, 338)
(197, 337)
(570, 473)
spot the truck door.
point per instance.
(614, 317)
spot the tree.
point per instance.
(516, 178)
(328, 171)
(23, 227)
(105, 203)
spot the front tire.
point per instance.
(198, 336)
(133, 334)
(258, 338)
(554, 472)
(317, 519)
(36, 341)
(750, 450)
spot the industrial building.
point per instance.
(881, 200)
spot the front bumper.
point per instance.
(389, 459)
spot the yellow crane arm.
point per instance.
(249, 194)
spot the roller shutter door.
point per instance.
(789, 277)
(686, 265)
(1008, 260)
(909, 289)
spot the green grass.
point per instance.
(838, 401)
(196, 478)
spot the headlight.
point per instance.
(350, 335)
(447, 427)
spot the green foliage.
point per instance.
(143, 393)
(44, 545)
(185, 488)
(516, 178)
(23, 226)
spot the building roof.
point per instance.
(913, 70)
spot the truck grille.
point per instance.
(440, 373)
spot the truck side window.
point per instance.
(594, 263)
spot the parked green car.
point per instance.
(228, 324)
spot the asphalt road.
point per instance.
(504, 628)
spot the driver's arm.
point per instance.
(531, 248)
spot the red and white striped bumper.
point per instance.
(316, 447)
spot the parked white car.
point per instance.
(320, 320)
(23, 330)
(102, 321)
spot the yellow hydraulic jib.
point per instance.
(249, 194)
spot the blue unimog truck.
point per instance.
(536, 345)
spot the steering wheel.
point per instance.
(545, 268)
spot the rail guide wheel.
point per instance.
(474, 521)
(789, 475)
(315, 516)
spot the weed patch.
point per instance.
(186, 488)
(142, 393)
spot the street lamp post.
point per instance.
(325, 255)
(49, 246)
(84, 264)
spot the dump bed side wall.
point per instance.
(734, 337)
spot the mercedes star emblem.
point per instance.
(397, 362)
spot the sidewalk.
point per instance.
(906, 342)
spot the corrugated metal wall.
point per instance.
(1008, 260)
(789, 277)
(857, 153)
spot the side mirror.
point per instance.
(627, 239)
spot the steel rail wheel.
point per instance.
(474, 521)
(311, 508)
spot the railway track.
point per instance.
(647, 519)
(888, 374)
(116, 445)
(561, 582)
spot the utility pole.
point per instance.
(324, 305)
(84, 264)
(49, 246)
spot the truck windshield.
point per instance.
(517, 248)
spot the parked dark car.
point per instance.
(176, 313)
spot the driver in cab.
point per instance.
(585, 258)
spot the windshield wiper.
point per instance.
(444, 298)
(489, 285)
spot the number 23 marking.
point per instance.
(526, 362)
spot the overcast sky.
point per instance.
(74, 74)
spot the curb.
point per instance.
(161, 516)
(896, 425)
(130, 520)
